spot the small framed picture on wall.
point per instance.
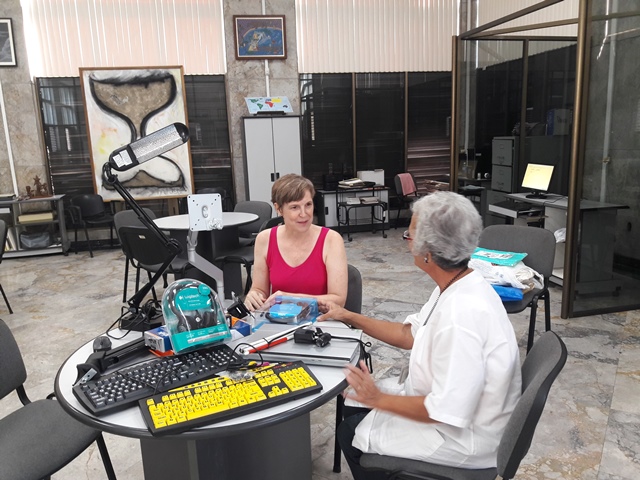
(7, 48)
(260, 37)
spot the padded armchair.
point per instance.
(353, 303)
(3, 241)
(539, 370)
(406, 192)
(539, 245)
(39, 438)
(92, 214)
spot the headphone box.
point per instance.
(158, 339)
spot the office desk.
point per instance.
(596, 240)
(271, 444)
(214, 244)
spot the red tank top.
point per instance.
(309, 278)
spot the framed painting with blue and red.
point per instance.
(260, 37)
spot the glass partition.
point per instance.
(607, 257)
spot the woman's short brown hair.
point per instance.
(291, 188)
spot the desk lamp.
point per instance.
(207, 214)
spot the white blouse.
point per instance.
(465, 360)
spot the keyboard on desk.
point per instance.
(516, 206)
(124, 387)
(221, 398)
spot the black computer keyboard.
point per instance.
(221, 397)
(124, 387)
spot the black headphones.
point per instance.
(191, 319)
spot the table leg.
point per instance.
(269, 453)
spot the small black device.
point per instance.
(309, 335)
(102, 344)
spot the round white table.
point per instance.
(212, 244)
(270, 444)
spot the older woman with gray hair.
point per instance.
(463, 378)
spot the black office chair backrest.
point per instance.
(542, 365)
(227, 203)
(3, 237)
(12, 369)
(353, 302)
(129, 218)
(143, 246)
(538, 243)
(257, 207)
(272, 222)
(91, 205)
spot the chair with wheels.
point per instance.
(3, 241)
(129, 218)
(353, 303)
(406, 192)
(539, 370)
(93, 214)
(249, 231)
(39, 438)
(539, 245)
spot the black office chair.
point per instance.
(540, 246)
(3, 241)
(39, 438)
(406, 192)
(93, 214)
(353, 303)
(227, 202)
(129, 218)
(149, 253)
(244, 255)
(539, 370)
(249, 231)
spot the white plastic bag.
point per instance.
(518, 276)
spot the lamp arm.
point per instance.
(173, 246)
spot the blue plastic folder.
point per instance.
(508, 294)
(508, 259)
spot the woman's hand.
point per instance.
(254, 299)
(364, 389)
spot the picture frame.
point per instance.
(125, 104)
(7, 47)
(260, 37)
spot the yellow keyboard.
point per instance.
(223, 397)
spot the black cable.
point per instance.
(364, 355)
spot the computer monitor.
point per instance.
(537, 178)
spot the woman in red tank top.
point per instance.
(297, 258)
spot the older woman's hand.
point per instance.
(331, 311)
(254, 300)
(364, 389)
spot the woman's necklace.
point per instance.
(457, 276)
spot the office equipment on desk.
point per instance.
(227, 396)
(343, 348)
(513, 209)
(537, 178)
(122, 388)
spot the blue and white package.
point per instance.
(193, 315)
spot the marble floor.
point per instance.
(589, 430)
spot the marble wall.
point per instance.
(25, 138)
(249, 78)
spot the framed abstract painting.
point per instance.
(125, 104)
(7, 47)
(260, 37)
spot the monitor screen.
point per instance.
(537, 177)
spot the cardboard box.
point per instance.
(158, 339)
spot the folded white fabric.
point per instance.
(518, 276)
